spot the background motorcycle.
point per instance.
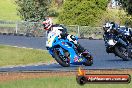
(65, 52)
(119, 43)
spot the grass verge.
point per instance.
(8, 10)
(16, 56)
(56, 82)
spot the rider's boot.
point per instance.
(81, 49)
(83, 52)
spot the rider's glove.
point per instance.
(47, 48)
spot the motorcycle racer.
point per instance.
(110, 26)
(121, 30)
(118, 40)
(49, 26)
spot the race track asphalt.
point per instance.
(102, 60)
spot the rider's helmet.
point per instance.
(107, 26)
(47, 23)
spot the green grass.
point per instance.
(56, 82)
(8, 10)
(16, 56)
(8, 25)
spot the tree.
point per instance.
(127, 5)
(82, 12)
(33, 10)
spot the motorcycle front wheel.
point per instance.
(63, 60)
(122, 53)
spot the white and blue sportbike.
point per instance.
(119, 42)
(65, 52)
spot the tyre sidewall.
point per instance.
(118, 53)
(58, 59)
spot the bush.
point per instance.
(82, 12)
